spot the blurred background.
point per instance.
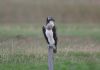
(22, 44)
(37, 10)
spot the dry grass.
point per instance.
(35, 47)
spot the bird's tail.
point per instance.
(55, 49)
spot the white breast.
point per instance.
(49, 35)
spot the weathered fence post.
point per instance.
(50, 58)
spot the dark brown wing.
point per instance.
(55, 35)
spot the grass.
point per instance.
(81, 30)
(63, 66)
(14, 30)
(22, 47)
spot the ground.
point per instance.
(23, 47)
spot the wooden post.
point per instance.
(50, 58)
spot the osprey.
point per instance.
(49, 31)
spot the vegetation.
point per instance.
(22, 47)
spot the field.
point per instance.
(23, 47)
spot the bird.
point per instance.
(49, 31)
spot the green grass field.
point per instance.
(23, 47)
